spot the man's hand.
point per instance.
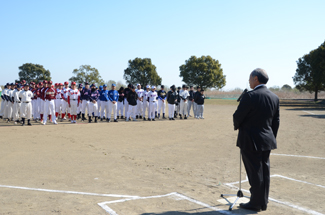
(114, 102)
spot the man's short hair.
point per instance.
(262, 76)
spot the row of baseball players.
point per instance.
(48, 101)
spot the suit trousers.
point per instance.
(257, 165)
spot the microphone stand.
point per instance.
(239, 193)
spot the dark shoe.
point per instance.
(149, 119)
(158, 116)
(137, 117)
(144, 119)
(140, 117)
(249, 206)
(170, 118)
(118, 117)
(29, 124)
(101, 119)
(185, 117)
(115, 120)
(180, 117)
(122, 117)
(109, 120)
(0, 117)
(95, 119)
(173, 119)
(153, 120)
(89, 119)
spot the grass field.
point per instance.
(158, 168)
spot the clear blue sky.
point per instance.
(242, 35)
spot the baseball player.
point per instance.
(113, 98)
(10, 104)
(126, 104)
(85, 99)
(16, 109)
(65, 105)
(39, 99)
(49, 108)
(183, 94)
(120, 102)
(105, 103)
(152, 99)
(34, 89)
(100, 104)
(190, 102)
(26, 110)
(199, 99)
(145, 102)
(79, 106)
(161, 101)
(139, 111)
(58, 99)
(132, 98)
(42, 100)
(177, 108)
(73, 101)
(5, 101)
(93, 106)
(172, 100)
(197, 93)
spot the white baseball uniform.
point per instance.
(145, 103)
(152, 95)
(139, 110)
(183, 104)
(26, 105)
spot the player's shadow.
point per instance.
(235, 210)
(314, 116)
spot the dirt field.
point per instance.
(179, 167)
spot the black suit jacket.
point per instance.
(257, 118)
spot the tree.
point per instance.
(141, 71)
(204, 71)
(86, 73)
(33, 73)
(310, 74)
(286, 87)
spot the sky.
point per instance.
(241, 35)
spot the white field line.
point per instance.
(299, 156)
(68, 192)
(231, 185)
(308, 112)
(112, 212)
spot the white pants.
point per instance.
(42, 107)
(145, 107)
(16, 111)
(93, 108)
(112, 107)
(195, 108)
(99, 105)
(161, 105)
(126, 105)
(152, 110)
(2, 108)
(59, 105)
(38, 107)
(9, 110)
(49, 109)
(5, 107)
(131, 111)
(26, 110)
(177, 108)
(199, 110)
(189, 105)
(73, 108)
(183, 108)
(120, 107)
(85, 105)
(34, 104)
(105, 107)
(79, 109)
(171, 109)
(139, 108)
(65, 107)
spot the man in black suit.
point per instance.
(257, 118)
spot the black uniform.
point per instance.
(191, 96)
(132, 98)
(200, 99)
(172, 97)
(257, 118)
(197, 93)
(121, 95)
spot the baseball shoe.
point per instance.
(170, 118)
(201, 117)
(101, 119)
(137, 117)
(122, 117)
(108, 120)
(144, 119)
(149, 119)
(54, 122)
(0, 117)
(153, 120)
(29, 124)
(118, 117)
(173, 119)
(115, 120)
(180, 117)
(185, 117)
(140, 117)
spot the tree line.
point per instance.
(197, 71)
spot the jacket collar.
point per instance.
(259, 86)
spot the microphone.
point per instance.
(240, 97)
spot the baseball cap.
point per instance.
(66, 83)
(56, 84)
(12, 84)
(133, 87)
(50, 82)
(93, 85)
(26, 85)
(162, 86)
(148, 86)
(138, 84)
(184, 86)
(80, 86)
(40, 83)
(113, 85)
(45, 82)
(198, 87)
(86, 83)
(178, 88)
(23, 81)
(153, 87)
(73, 83)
